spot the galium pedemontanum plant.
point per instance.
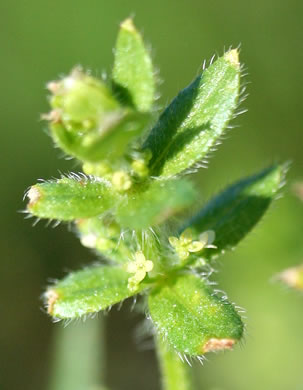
(135, 180)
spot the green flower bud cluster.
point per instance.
(81, 102)
(132, 186)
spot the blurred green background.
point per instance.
(40, 40)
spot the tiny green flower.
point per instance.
(121, 181)
(185, 245)
(140, 163)
(140, 168)
(105, 244)
(89, 240)
(101, 169)
(139, 267)
(92, 241)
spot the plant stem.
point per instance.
(174, 372)
(78, 361)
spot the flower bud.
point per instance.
(81, 101)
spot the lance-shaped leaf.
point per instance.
(151, 207)
(235, 211)
(88, 291)
(194, 121)
(192, 318)
(106, 142)
(71, 198)
(133, 78)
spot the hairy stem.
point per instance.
(175, 373)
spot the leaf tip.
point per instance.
(128, 25)
(232, 56)
(51, 297)
(33, 195)
(215, 345)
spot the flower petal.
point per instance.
(174, 241)
(186, 237)
(211, 236)
(149, 265)
(140, 275)
(139, 257)
(196, 246)
(131, 267)
(203, 238)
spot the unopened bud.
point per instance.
(121, 181)
(82, 100)
(101, 169)
(140, 168)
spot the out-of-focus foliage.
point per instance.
(293, 276)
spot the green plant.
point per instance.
(130, 203)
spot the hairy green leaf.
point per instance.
(236, 210)
(88, 291)
(70, 198)
(192, 318)
(191, 125)
(159, 202)
(133, 78)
